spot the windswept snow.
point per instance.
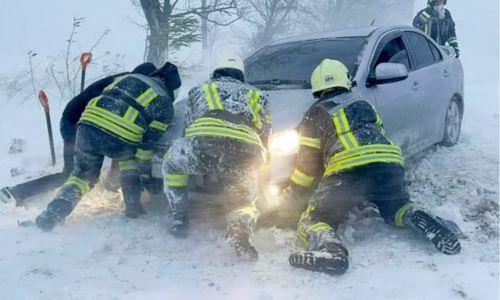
(99, 254)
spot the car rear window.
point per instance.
(296, 61)
(421, 49)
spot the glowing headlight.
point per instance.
(273, 196)
(284, 143)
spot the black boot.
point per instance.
(239, 239)
(134, 209)
(47, 220)
(332, 259)
(434, 231)
(179, 226)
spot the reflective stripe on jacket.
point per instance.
(339, 133)
(228, 109)
(134, 108)
(241, 111)
(442, 30)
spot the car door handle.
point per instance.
(445, 74)
(416, 85)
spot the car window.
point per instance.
(394, 52)
(435, 52)
(295, 61)
(421, 49)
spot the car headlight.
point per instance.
(284, 143)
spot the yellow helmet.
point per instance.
(229, 61)
(330, 74)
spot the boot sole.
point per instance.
(319, 262)
(443, 239)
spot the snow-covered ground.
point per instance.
(98, 254)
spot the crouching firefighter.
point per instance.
(123, 123)
(344, 153)
(69, 120)
(227, 127)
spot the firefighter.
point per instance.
(436, 22)
(227, 127)
(346, 156)
(68, 123)
(122, 123)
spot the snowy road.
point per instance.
(99, 254)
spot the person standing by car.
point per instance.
(123, 123)
(436, 22)
(227, 128)
(70, 117)
(344, 151)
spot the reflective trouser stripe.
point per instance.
(176, 180)
(366, 149)
(160, 126)
(246, 210)
(301, 179)
(127, 165)
(81, 184)
(335, 167)
(401, 213)
(314, 143)
(344, 130)
(147, 97)
(304, 228)
(143, 155)
(319, 226)
(212, 97)
(255, 107)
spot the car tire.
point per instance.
(452, 125)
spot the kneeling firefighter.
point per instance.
(227, 127)
(344, 151)
(123, 123)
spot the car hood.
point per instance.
(288, 107)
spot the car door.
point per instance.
(432, 79)
(398, 103)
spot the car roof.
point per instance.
(344, 33)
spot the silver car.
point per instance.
(416, 86)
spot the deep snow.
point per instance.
(99, 254)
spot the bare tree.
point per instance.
(325, 15)
(173, 24)
(270, 19)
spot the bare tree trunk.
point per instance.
(157, 51)
(204, 29)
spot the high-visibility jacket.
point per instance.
(135, 108)
(442, 30)
(339, 133)
(227, 108)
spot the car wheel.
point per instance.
(453, 124)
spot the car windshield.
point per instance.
(291, 64)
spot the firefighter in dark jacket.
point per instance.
(227, 127)
(436, 22)
(122, 123)
(345, 154)
(68, 123)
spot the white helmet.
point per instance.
(229, 61)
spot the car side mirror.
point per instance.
(388, 73)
